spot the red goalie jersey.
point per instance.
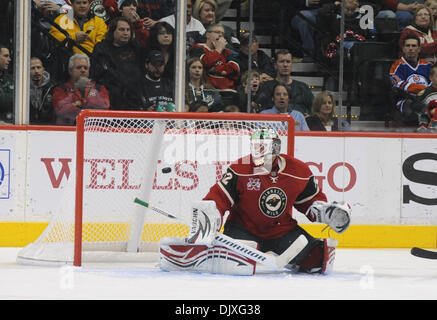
(262, 201)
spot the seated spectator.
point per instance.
(85, 28)
(422, 27)
(432, 5)
(151, 11)
(221, 65)
(7, 86)
(402, 10)
(194, 29)
(41, 94)
(261, 62)
(116, 63)
(330, 21)
(409, 76)
(432, 114)
(197, 87)
(205, 12)
(50, 9)
(309, 9)
(78, 93)
(254, 91)
(128, 9)
(232, 108)
(158, 92)
(301, 96)
(280, 100)
(105, 9)
(425, 103)
(322, 117)
(162, 37)
(198, 106)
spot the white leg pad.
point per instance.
(177, 255)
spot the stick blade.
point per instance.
(292, 251)
(422, 253)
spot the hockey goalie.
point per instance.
(259, 191)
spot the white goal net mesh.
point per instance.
(168, 163)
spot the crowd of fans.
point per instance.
(120, 55)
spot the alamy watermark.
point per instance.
(367, 20)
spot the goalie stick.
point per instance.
(423, 253)
(274, 262)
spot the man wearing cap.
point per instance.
(261, 62)
(157, 91)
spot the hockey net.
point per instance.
(167, 159)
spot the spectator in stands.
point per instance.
(422, 27)
(194, 28)
(281, 99)
(409, 76)
(261, 62)
(205, 12)
(154, 10)
(41, 94)
(128, 9)
(426, 102)
(105, 9)
(402, 10)
(322, 117)
(116, 63)
(223, 70)
(162, 37)
(50, 9)
(301, 96)
(198, 106)
(432, 5)
(78, 93)
(232, 108)
(7, 86)
(330, 21)
(197, 87)
(308, 9)
(244, 87)
(158, 92)
(83, 28)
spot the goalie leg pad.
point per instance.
(177, 255)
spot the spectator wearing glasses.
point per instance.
(422, 26)
(162, 37)
(223, 70)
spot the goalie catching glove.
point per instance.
(336, 215)
(206, 221)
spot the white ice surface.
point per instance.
(358, 274)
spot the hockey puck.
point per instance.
(166, 170)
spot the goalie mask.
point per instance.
(264, 145)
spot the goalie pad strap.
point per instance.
(176, 255)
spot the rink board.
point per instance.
(388, 179)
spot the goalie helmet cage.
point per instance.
(168, 159)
